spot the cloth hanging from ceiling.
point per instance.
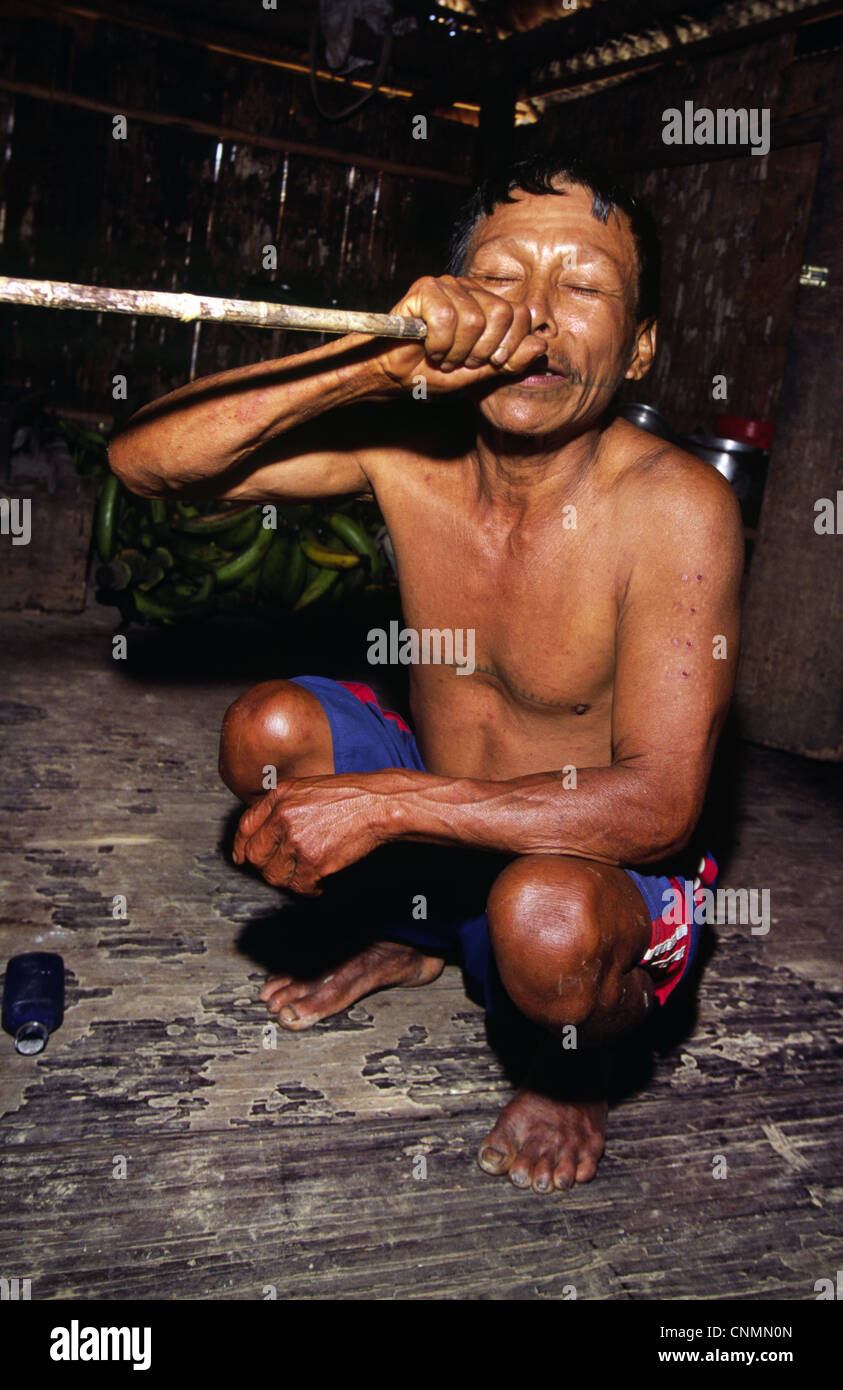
(337, 18)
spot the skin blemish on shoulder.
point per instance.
(685, 673)
(699, 578)
(692, 610)
(685, 578)
(674, 641)
(688, 643)
(580, 709)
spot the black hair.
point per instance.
(537, 174)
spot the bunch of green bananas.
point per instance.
(173, 561)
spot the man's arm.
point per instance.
(252, 434)
(676, 655)
(219, 436)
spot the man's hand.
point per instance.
(307, 828)
(472, 335)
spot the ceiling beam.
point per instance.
(281, 144)
(585, 29)
(697, 48)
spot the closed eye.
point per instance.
(583, 289)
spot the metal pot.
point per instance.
(743, 465)
(646, 417)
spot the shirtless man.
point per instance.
(608, 646)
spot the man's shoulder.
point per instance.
(661, 484)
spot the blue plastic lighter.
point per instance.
(33, 999)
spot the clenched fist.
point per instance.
(307, 828)
(472, 335)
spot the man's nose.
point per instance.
(538, 301)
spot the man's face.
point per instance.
(579, 278)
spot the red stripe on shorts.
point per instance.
(368, 697)
(674, 938)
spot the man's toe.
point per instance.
(494, 1157)
(563, 1173)
(273, 984)
(586, 1169)
(284, 994)
(303, 1012)
(542, 1175)
(521, 1170)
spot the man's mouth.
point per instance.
(544, 373)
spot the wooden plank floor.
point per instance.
(250, 1166)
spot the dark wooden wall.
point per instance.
(219, 162)
(224, 155)
(349, 224)
(790, 690)
(733, 227)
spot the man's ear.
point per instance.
(644, 350)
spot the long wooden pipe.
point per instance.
(59, 294)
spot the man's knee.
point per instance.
(276, 724)
(544, 914)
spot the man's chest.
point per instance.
(537, 620)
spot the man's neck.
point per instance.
(526, 475)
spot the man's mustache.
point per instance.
(560, 366)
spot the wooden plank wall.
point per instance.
(791, 677)
(183, 206)
(733, 228)
(177, 207)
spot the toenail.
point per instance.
(541, 1184)
(520, 1179)
(492, 1156)
(288, 1014)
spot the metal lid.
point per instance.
(719, 445)
(640, 412)
(31, 1038)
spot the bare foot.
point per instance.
(301, 1003)
(551, 1133)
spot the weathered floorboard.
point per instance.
(250, 1166)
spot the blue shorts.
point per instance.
(367, 738)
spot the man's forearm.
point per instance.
(614, 815)
(205, 429)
